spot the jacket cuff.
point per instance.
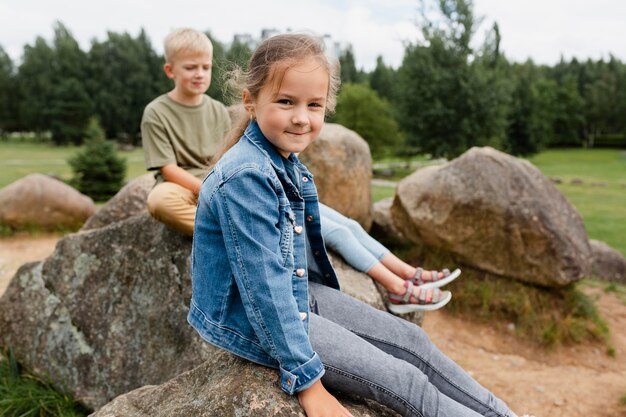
(303, 376)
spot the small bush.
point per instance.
(25, 395)
(98, 171)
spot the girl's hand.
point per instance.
(317, 402)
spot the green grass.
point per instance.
(19, 159)
(24, 395)
(602, 207)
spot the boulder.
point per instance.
(341, 162)
(43, 202)
(383, 227)
(106, 312)
(608, 264)
(129, 201)
(498, 214)
(222, 386)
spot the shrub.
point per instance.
(98, 171)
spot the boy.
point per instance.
(182, 129)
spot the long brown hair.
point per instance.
(268, 64)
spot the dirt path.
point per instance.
(578, 381)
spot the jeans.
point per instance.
(376, 355)
(346, 237)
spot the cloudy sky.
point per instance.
(544, 30)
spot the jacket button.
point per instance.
(309, 218)
(305, 179)
(317, 253)
(297, 229)
(300, 272)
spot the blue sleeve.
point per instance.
(248, 209)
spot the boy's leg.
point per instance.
(414, 364)
(173, 205)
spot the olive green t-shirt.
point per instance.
(173, 133)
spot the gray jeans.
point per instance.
(376, 355)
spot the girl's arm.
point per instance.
(247, 206)
(317, 402)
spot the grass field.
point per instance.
(599, 193)
(19, 159)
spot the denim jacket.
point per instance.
(249, 259)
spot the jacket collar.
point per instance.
(257, 138)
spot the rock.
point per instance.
(341, 162)
(222, 386)
(498, 214)
(106, 312)
(383, 227)
(129, 201)
(43, 202)
(608, 263)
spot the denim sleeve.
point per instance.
(248, 209)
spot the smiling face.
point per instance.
(292, 114)
(192, 76)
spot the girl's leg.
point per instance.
(408, 344)
(339, 238)
(355, 366)
(366, 241)
(336, 234)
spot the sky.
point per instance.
(544, 30)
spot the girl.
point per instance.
(253, 294)
(346, 237)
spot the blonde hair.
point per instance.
(185, 41)
(268, 64)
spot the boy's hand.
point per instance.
(317, 402)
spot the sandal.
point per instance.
(435, 281)
(408, 303)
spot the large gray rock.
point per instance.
(383, 226)
(106, 312)
(498, 214)
(341, 162)
(128, 201)
(608, 263)
(43, 202)
(223, 386)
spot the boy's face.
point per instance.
(191, 73)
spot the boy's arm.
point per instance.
(174, 173)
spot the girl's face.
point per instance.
(292, 116)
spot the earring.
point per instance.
(252, 118)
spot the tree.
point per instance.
(8, 94)
(359, 108)
(125, 75)
(52, 83)
(349, 73)
(382, 79)
(98, 171)
(450, 98)
(219, 71)
(35, 81)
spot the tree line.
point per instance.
(444, 98)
